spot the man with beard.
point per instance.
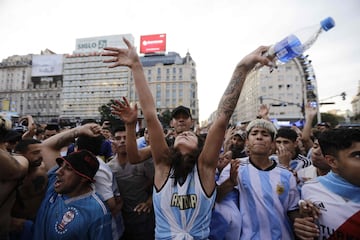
(184, 186)
(71, 209)
(31, 191)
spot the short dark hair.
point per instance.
(120, 128)
(52, 126)
(22, 145)
(287, 133)
(92, 144)
(334, 140)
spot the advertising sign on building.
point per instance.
(153, 43)
(97, 44)
(47, 65)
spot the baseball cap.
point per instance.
(179, 109)
(84, 163)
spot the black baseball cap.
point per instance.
(84, 163)
(182, 109)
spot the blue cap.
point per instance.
(327, 23)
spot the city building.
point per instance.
(73, 86)
(15, 77)
(88, 83)
(356, 102)
(43, 102)
(31, 85)
(172, 81)
(285, 90)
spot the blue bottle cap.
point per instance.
(327, 23)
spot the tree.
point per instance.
(165, 118)
(105, 112)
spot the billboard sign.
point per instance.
(47, 65)
(153, 43)
(97, 44)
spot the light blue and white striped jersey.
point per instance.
(183, 211)
(265, 198)
(297, 163)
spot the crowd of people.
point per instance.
(254, 181)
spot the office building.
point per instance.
(285, 90)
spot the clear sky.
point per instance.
(217, 33)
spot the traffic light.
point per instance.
(343, 95)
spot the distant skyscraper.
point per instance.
(88, 83)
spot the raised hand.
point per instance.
(255, 57)
(122, 56)
(90, 129)
(123, 109)
(264, 111)
(310, 111)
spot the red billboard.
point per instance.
(153, 43)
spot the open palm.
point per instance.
(126, 112)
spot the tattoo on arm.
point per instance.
(232, 92)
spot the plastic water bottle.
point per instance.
(297, 43)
